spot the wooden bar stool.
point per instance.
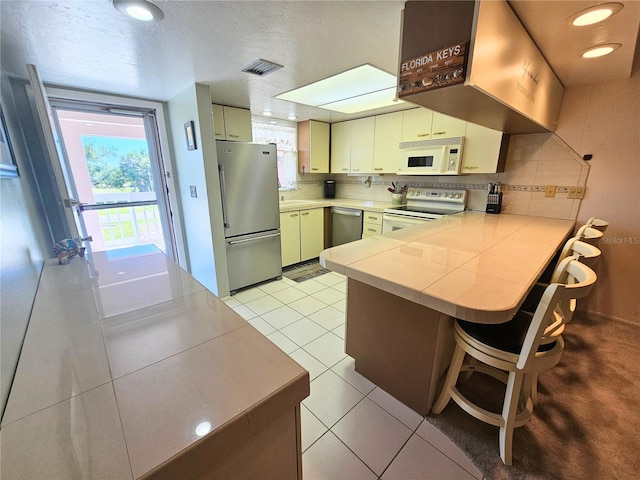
(589, 234)
(597, 223)
(514, 352)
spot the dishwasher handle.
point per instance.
(346, 211)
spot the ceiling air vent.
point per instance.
(261, 67)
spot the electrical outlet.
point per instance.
(550, 191)
(572, 192)
(580, 192)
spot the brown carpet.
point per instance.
(587, 422)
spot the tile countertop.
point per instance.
(126, 364)
(470, 265)
(306, 204)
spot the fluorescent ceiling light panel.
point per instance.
(338, 90)
(362, 103)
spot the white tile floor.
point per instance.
(351, 429)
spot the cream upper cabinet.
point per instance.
(416, 124)
(290, 237)
(237, 124)
(231, 123)
(311, 233)
(340, 147)
(218, 122)
(362, 132)
(484, 150)
(388, 131)
(313, 147)
(444, 126)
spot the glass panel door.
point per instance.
(116, 174)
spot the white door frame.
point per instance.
(90, 97)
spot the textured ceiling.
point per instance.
(88, 44)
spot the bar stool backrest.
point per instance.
(589, 235)
(597, 223)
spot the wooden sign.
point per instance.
(438, 69)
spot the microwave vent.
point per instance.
(432, 143)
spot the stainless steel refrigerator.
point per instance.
(249, 186)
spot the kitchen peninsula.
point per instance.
(405, 287)
(132, 369)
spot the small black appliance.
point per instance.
(329, 189)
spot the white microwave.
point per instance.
(431, 157)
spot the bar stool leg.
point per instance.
(509, 410)
(450, 381)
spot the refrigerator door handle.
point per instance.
(225, 215)
(235, 242)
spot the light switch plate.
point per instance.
(194, 191)
(550, 191)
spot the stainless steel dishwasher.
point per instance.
(346, 225)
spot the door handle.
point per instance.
(223, 197)
(235, 242)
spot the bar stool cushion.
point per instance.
(508, 337)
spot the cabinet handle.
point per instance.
(345, 169)
(378, 168)
(293, 215)
(422, 135)
(372, 218)
(234, 136)
(304, 213)
(439, 133)
(314, 169)
(355, 170)
(372, 230)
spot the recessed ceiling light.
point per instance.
(346, 91)
(600, 50)
(594, 14)
(267, 113)
(292, 117)
(139, 10)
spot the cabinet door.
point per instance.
(290, 237)
(416, 124)
(362, 132)
(218, 122)
(311, 233)
(340, 147)
(387, 134)
(484, 150)
(319, 146)
(444, 126)
(237, 124)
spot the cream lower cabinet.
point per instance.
(301, 235)
(290, 237)
(371, 224)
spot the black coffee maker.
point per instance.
(329, 189)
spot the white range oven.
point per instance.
(423, 205)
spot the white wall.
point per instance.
(21, 256)
(201, 215)
(604, 120)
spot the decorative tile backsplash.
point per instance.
(533, 162)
